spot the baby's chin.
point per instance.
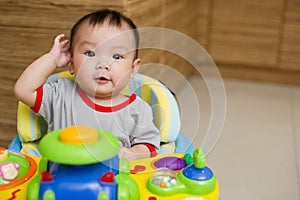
(96, 90)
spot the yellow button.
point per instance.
(79, 135)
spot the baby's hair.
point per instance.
(106, 15)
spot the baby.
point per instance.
(103, 56)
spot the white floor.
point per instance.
(257, 155)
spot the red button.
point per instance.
(108, 177)
(46, 176)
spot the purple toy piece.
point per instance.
(171, 162)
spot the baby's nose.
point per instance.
(103, 67)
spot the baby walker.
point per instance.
(82, 163)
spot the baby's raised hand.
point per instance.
(60, 52)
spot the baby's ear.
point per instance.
(135, 67)
(71, 66)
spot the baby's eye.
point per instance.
(117, 56)
(90, 53)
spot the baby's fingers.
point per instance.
(58, 42)
(65, 42)
(59, 37)
(65, 49)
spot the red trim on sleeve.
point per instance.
(38, 100)
(151, 148)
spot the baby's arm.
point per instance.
(37, 73)
(136, 152)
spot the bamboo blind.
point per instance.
(247, 39)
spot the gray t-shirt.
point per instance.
(64, 104)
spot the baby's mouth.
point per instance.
(102, 80)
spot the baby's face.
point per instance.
(103, 59)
